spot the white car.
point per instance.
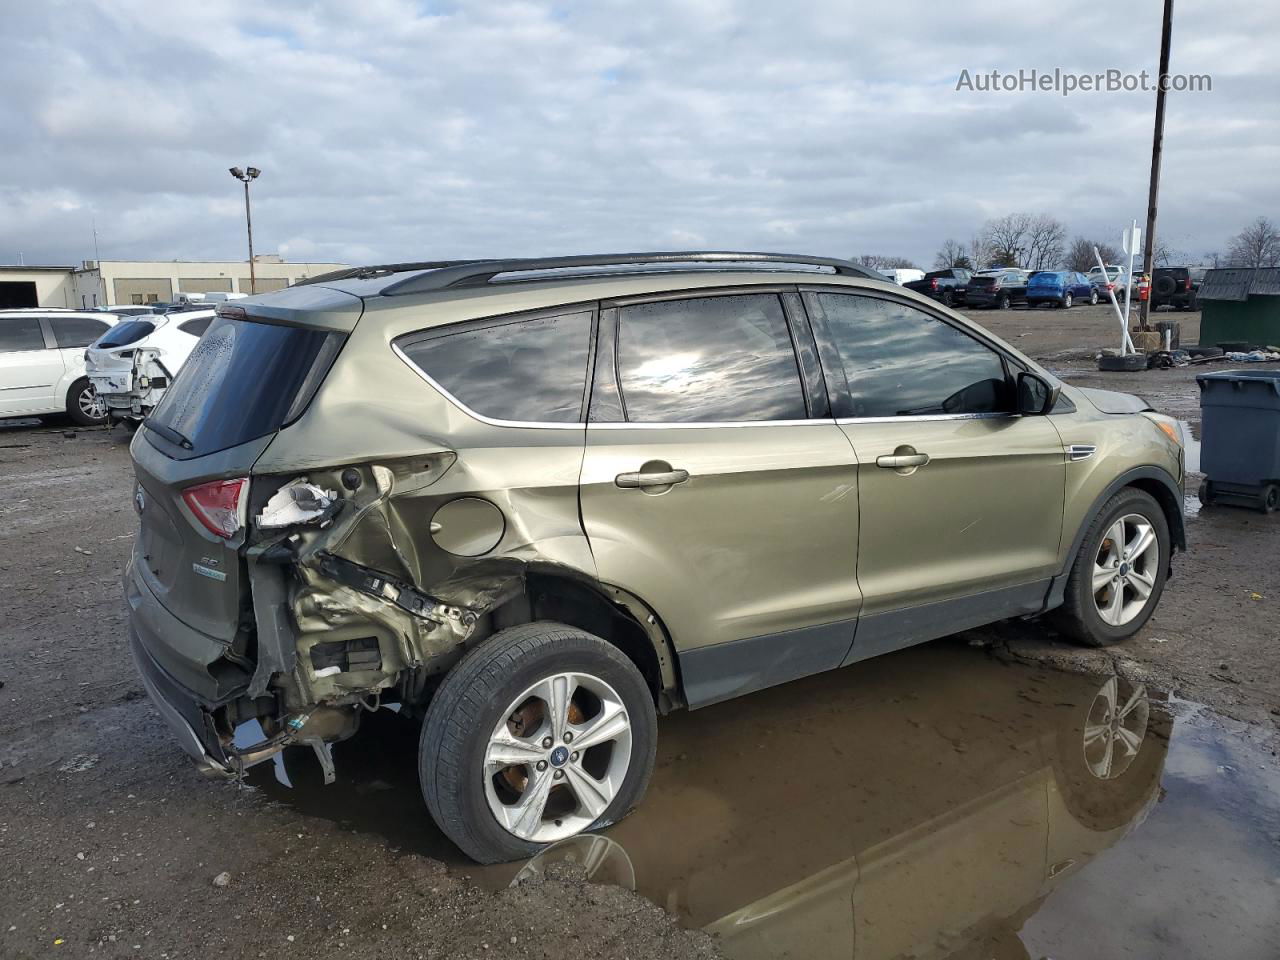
(132, 365)
(42, 363)
(901, 275)
(1115, 278)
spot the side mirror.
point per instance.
(1036, 396)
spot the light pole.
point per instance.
(245, 175)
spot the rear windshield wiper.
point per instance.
(170, 434)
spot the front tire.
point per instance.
(84, 405)
(1119, 572)
(542, 732)
(1093, 298)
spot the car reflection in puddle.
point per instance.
(928, 804)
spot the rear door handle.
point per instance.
(663, 479)
(898, 461)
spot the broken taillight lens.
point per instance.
(219, 505)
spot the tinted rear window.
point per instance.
(710, 359)
(243, 380)
(196, 327)
(131, 331)
(531, 370)
(77, 331)
(20, 333)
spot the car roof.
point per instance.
(57, 312)
(401, 279)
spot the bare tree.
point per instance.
(952, 254)
(979, 254)
(876, 261)
(1212, 258)
(1005, 239)
(1257, 245)
(1045, 239)
(1164, 255)
(1080, 254)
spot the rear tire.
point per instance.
(490, 702)
(83, 405)
(1269, 499)
(1004, 302)
(1065, 302)
(1080, 617)
(948, 298)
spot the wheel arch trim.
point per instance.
(1153, 480)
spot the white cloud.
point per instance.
(394, 130)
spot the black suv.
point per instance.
(1176, 287)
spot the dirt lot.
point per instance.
(111, 843)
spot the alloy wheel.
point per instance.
(91, 404)
(1125, 569)
(1115, 728)
(558, 757)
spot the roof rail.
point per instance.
(474, 273)
(384, 269)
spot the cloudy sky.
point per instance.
(391, 130)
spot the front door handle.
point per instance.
(901, 461)
(663, 478)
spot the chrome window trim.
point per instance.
(491, 421)
(917, 418)
(702, 424)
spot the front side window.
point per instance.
(528, 370)
(712, 359)
(902, 362)
(20, 333)
(76, 331)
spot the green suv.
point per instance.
(540, 502)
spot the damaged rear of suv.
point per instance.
(540, 502)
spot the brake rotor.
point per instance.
(523, 722)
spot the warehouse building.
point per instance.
(99, 283)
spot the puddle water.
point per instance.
(932, 803)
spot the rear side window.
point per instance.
(77, 331)
(131, 331)
(529, 370)
(713, 359)
(902, 362)
(243, 380)
(20, 333)
(196, 327)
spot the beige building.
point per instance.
(99, 283)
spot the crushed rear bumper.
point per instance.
(185, 711)
(191, 724)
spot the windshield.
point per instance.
(243, 380)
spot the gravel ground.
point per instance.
(112, 843)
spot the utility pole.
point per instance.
(1157, 145)
(245, 176)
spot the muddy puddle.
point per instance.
(932, 803)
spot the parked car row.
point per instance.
(112, 364)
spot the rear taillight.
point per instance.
(995, 286)
(219, 505)
(933, 284)
(1186, 284)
